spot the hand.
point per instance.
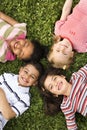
(5, 108)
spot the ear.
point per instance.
(72, 54)
(55, 95)
(43, 89)
(64, 67)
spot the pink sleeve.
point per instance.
(21, 36)
(58, 25)
(9, 56)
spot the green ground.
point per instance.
(40, 16)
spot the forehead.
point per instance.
(32, 70)
(48, 80)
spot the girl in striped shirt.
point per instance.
(70, 97)
(13, 42)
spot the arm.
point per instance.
(83, 72)
(66, 9)
(5, 108)
(71, 122)
(8, 19)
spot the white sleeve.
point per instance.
(21, 106)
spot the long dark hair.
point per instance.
(51, 102)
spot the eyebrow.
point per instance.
(32, 74)
(50, 84)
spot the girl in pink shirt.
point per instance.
(13, 42)
(70, 34)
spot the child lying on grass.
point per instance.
(70, 34)
(59, 94)
(14, 91)
(13, 42)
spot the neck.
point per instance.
(69, 89)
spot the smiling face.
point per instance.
(23, 49)
(61, 53)
(28, 75)
(57, 85)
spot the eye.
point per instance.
(32, 77)
(54, 78)
(50, 87)
(64, 53)
(25, 72)
(57, 50)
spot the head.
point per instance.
(26, 50)
(39, 51)
(61, 54)
(30, 73)
(52, 99)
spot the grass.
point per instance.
(40, 16)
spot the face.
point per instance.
(21, 48)
(28, 75)
(60, 53)
(56, 85)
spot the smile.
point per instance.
(24, 80)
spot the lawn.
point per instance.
(40, 16)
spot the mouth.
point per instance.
(24, 80)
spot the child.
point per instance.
(13, 42)
(70, 97)
(70, 33)
(14, 91)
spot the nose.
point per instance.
(27, 76)
(62, 48)
(55, 84)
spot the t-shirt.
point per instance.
(74, 28)
(18, 96)
(77, 101)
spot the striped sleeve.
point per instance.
(69, 113)
(83, 71)
(21, 105)
(8, 32)
(21, 26)
(71, 122)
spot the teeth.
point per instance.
(15, 45)
(24, 79)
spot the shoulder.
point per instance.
(9, 75)
(20, 25)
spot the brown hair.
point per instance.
(51, 103)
